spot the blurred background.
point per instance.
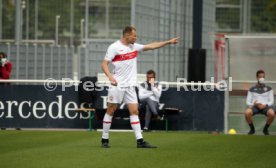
(77, 32)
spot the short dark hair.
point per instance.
(151, 72)
(4, 54)
(260, 72)
(128, 30)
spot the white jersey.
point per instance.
(261, 94)
(124, 61)
(154, 92)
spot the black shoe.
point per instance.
(145, 144)
(105, 145)
(265, 131)
(251, 132)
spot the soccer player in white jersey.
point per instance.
(260, 99)
(123, 56)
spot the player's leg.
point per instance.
(249, 119)
(135, 124)
(114, 97)
(270, 117)
(153, 107)
(130, 98)
(134, 120)
(107, 120)
(148, 115)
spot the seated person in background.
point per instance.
(260, 99)
(5, 66)
(149, 94)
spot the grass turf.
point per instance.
(58, 149)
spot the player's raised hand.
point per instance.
(174, 40)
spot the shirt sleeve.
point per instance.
(143, 94)
(157, 91)
(138, 47)
(249, 101)
(271, 98)
(110, 53)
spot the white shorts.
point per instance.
(118, 95)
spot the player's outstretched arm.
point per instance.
(160, 44)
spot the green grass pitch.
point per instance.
(81, 149)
